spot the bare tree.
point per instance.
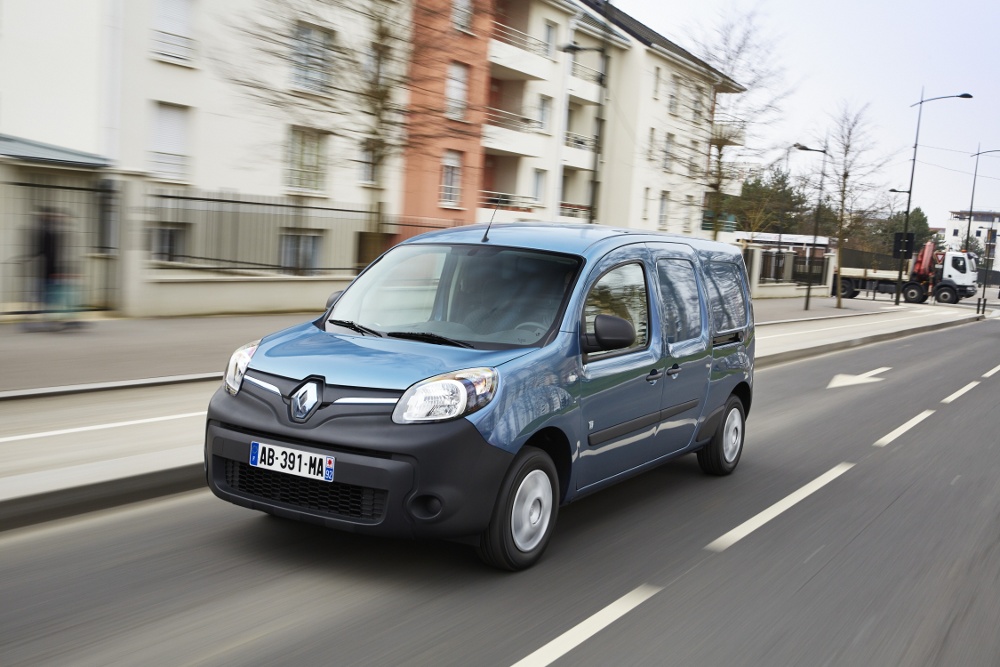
(741, 48)
(855, 164)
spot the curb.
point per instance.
(27, 510)
(106, 386)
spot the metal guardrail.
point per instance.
(525, 42)
(586, 73)
(505, 201)
(512, 120)
(569, 210)
(580, 141)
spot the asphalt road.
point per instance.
(869, 555)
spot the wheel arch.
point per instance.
(554, 442)
(745, 394)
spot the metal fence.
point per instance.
(84, 215)
(862, 259)
(809, 272)
(234, 234)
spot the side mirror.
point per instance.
(332, 299)
(610, 333)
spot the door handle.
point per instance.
(654, 375)
(673, 370)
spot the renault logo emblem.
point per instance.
(304, 401)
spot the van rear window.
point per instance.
(729, 308)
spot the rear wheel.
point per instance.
(914, 293)
(847, 290)
(947, 295)
(525, 513)
(720, 456)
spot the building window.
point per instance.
(306, 159)
(693, 166)
(544, 112)
(168, 154)
(456, 91)
(645, 204)
(451, 179)
(461, 15)
(668, 149)
(299, 252)
(551, 35)
(661, 220)
(954, 232)
(656, 84)
(172, 40)
(539, 186)
(696, 105)
(312, 51)
(691, 213)
(367, 161)
(675, 91)
(652, 143)
(979, 232)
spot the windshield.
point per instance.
(484, 296)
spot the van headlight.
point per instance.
(447, 396)
(238, 366)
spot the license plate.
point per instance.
(291, 461)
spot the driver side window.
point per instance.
(620, 292)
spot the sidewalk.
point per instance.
(109, 355)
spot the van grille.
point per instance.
(331, 498)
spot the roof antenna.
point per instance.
(486, 234)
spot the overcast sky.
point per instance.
(880, 52)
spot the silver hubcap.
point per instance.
(732, 437)
(529, 518)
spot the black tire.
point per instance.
(525, 513)
(947, 295)
(847, 288)
(722, 454)
(914, 293)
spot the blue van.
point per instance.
(472, 380)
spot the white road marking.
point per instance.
(958, 394)
(99, 427)
(903, 429)
(850, 380)
(586, 629)
(752, 524)
(991, 373)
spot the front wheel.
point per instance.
(525, 513)
(947, 295)
(720, 456)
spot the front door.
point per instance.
(621, 390)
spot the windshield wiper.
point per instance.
(354, 326)
(428, 338)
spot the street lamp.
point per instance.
(972, 201)
(602, 81)
(819, 202)
(913, 168)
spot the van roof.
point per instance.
(569, 238)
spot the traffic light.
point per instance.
(902, 247)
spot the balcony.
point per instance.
(577, 211)
(510, 133)
(728, 131)
(505, 201)
(517, 56)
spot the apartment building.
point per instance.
(983, 227)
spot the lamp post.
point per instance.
(913, 168)
(819, 202)
(972, 203)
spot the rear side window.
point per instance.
(729, 308)
(679, 300)
(620, 292)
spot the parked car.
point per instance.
(472, 380)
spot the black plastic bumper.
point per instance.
(418, 480)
